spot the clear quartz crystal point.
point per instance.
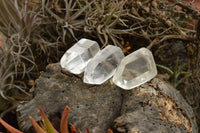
(135, 69)
(77, 57)
(103, 65)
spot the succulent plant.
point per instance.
(17, 22)
(46, 126)
(8, 84)
(175, 74)
(15, 19)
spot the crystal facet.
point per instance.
(77, 57)
(103, 65)
(135, 69)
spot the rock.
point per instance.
(153, 107)
(93, 106)
(161, 109)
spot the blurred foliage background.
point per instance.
(34, 33)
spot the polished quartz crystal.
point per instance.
(135, 69)
(77, 57)
(103, 65)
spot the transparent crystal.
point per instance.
(77, 57)
(135, 69)
(103, 65)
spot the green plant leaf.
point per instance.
(47, 123)
(9, 127)
(169, 71)
(187, 75)
(37, 128)
(63, 124)
(42, 126)
(183, 66)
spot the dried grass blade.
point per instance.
(12, 13)
(78, 13)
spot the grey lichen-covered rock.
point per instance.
(93, 106)
(154, 107)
